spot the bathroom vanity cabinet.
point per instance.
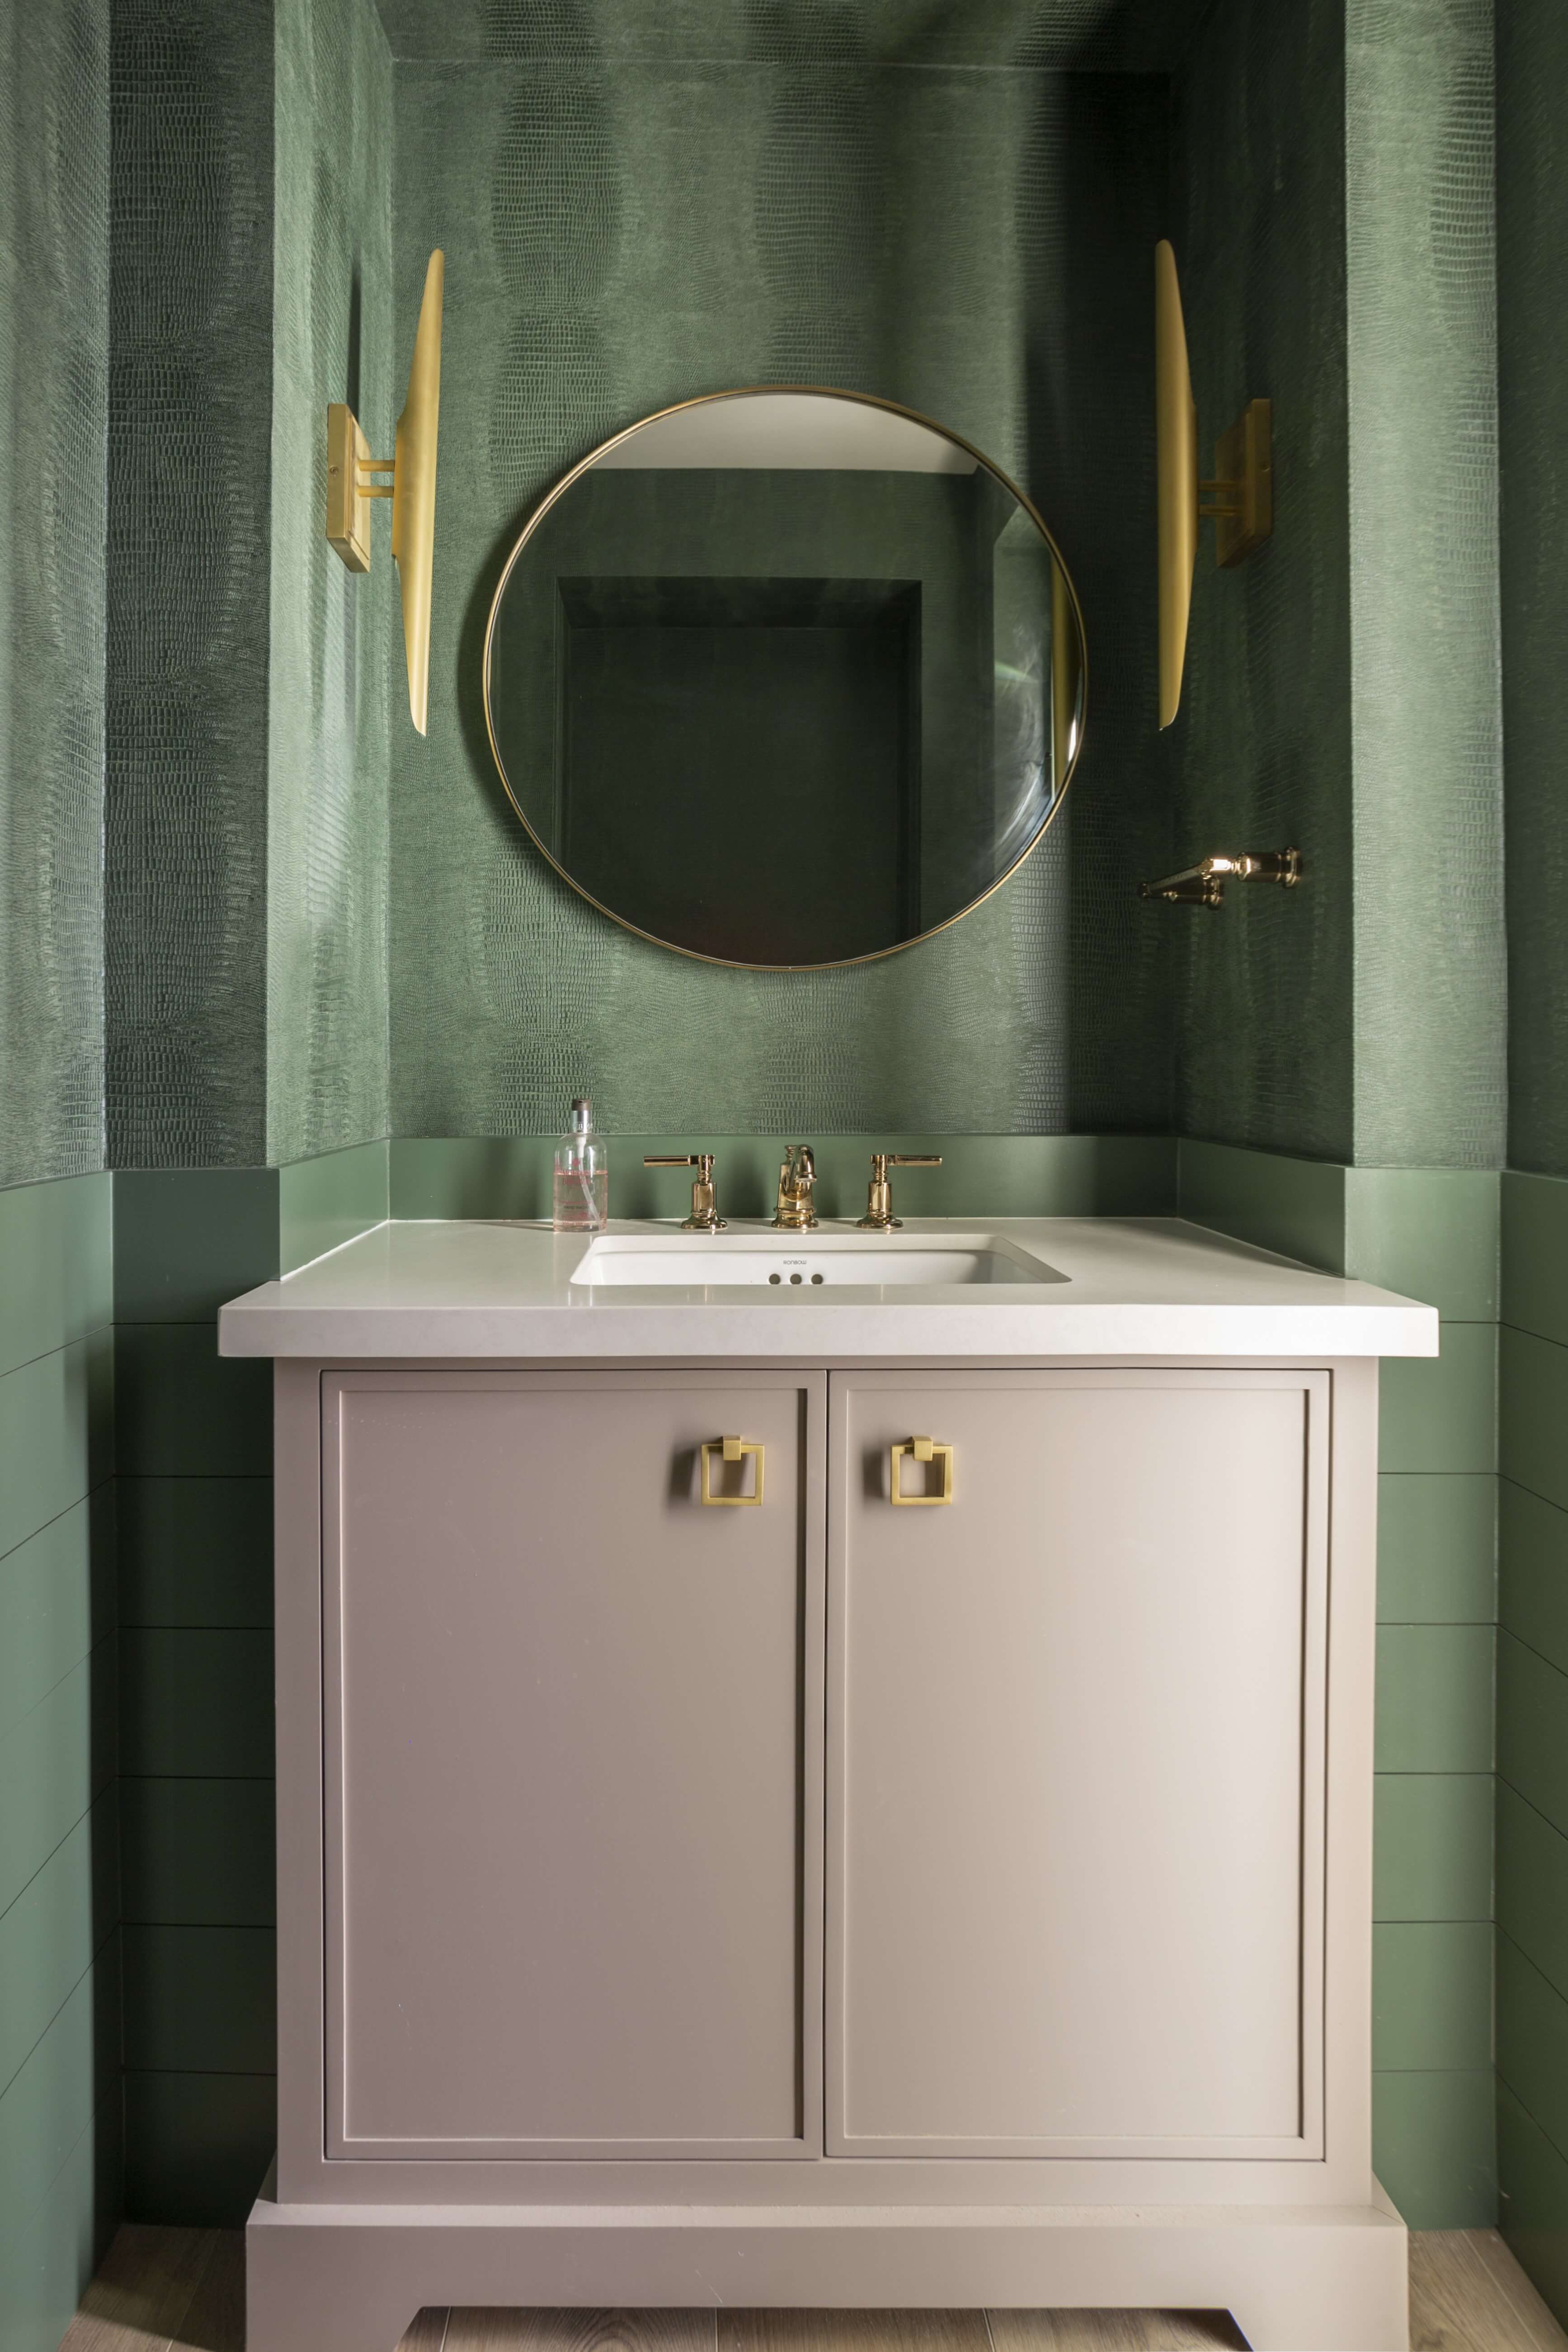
(923, 1858)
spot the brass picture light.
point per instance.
(1243, 490)
(412, 490)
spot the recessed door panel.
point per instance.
(572, 1768)
(1075, 1764)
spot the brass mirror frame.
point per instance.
(861, 400)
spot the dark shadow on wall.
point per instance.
(1091, 201)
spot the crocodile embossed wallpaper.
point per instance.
(1426, 713)
(623, 232)
(54, 364)
(189, 460)
(1533, 237)
(1263, 738)
(1343, 689)
(333, 690)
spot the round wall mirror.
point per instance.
(785, 679)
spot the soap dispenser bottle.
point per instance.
(582, 1202)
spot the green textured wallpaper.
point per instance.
(1426, 720)
(1532, 354)
(54, 358)
(1105, 35)
(332, 633)
(1532, 382)
(620, 234)
(190, 370)
(1266, 1054)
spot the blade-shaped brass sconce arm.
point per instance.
(412, 490)
(1243, 512)
(1203, 884)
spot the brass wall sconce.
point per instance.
(1243, 489)
(412, 490)
(1203, 884)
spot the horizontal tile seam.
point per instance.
(191, 1625)
(63, 1840)
(1439, 1625)
(226, 1780)
(1525, 1332)
(208, 2074)
(1507, 1478)
(1508, 1937)
(110, 1634)
(1531, 1806)
(60, 1348)
(1486, 2072)
(1516, 2094)
(1507, 1633)
(107, 1480)
(113, 2096)
(77, 1983)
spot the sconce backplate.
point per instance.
(1244, 461)
(348, 502)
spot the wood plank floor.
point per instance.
(184, 2291)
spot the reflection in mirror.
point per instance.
(784, 678)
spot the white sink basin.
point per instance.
(789, 1263)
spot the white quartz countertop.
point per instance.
(1123, 1287)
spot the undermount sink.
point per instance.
(791, 1263)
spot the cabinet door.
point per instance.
(573, 1765)
(1075, 1765)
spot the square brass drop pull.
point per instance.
(734, 1449)
(924, 1449)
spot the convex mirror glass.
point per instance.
(785, 679)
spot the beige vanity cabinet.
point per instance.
(806, 1897)
(573, 1820)
(1075, 1846)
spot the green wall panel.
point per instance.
(1433, 2147)
(1432, 1995)
(57, 1252)
(621, 234)
(189, 471)
(53, 1930)
(54, 408)
(1533, 383)
(57, 1599)
(1433, 1846)
(1532, 2041)
(1436, 1549)
(199, 1854)
(54, 1434)
(1534, 1413)
(1533, 1585)
(197, 2146)
(1426, 747)
(52, 1766)
(200, 2000)
(331, 634)
(1532, 1885)
(195, 1552)
(1532, 2175)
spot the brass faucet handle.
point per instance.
(879, 1217)
(704, 1217)
(793, 1212)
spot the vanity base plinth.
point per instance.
(334, 2278)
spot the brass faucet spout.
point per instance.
(795, 1212)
